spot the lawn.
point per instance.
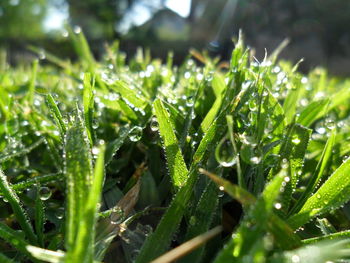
(136, 159)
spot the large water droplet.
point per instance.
(330, 124)
(225, 153)
(278, 205)
(154, 124)
(44, 193)
(135, 134)
(59, 213)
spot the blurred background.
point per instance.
(318, 30)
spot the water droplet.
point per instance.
(278, 205)
(222, 189)
(295, 139)
(225, 153)
(187, 75)
(252, 105)
(189, 102)
(65, 34)
(77, 29)
(295, 259)
(95, 124)
(255, 160)
(193, 220)
(154, 124)
(95, 150)
(318, 196)
(135, 134)
(44, 193)
(330, 124)
(284, 163)
(59, 213)
(287, 179)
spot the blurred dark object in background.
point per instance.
(318, 30)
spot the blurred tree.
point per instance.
(98, 18)
(22, 19)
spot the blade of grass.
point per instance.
(5, 259)
(313, 111)
(291, 101)
(78, 173)
(275, 225)
(31, 90)
(17, 208)
(46, 255)
(338, 235)
(83, 250)
(292, 154)
(331, 195)
(158, 242)
(6, 157)
(203, 217)
(176, 164)
(188, 246)
(88, 101)
(317, 174)
(218, 87)
(56, 113)
(114, 145)
(39, 218)
(13, 238)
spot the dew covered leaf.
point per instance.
(20, 213)
(312, 112)
(78, 173)
(175, 162)
(333, 193)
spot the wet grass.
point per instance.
(112, 161)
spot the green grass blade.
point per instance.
(83, 250)
(17, 208)
(46, 255)
(114, 145)
(6, 157)
(218, 87)
(13, 238)
(176, 164)
(201, 220)
(41, 179)
(292, 153)
(327, 251)
(159, 241)
(338, 235)
(32, 81)
(78, 173)
(318, 173)
(39, 218)
(312, 112)
(291, 101)
(331, 195)
(56, 113)
(275, 225)
(130, 95)
(82, 48)
(88, 101)
(5, 259)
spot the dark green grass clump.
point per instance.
(114, 162)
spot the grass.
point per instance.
(122, 161)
